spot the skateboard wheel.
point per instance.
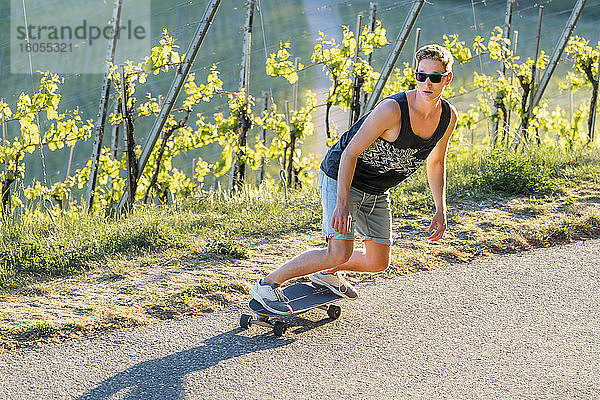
(245, 321)
(334, 312)
(279, 328)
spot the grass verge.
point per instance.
(87, 273)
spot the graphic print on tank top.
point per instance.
(384, 157)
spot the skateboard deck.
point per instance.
(302, 297)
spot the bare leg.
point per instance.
(336, 257)
(338, 251)
(375, 258)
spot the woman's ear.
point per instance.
(449, 79)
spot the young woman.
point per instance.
(379, 151)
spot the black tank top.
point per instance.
(384, 164)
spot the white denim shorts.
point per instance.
(371, 214)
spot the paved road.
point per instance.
(516, 326)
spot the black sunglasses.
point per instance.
(434, 78)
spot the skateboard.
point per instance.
(302, 297)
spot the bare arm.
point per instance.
(384, 117)
(436, 175)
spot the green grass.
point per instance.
(37, 247)
(501, 171)
(215, 222)
(227, 247)
(39, 330)
(253, 211)
(542, 170)
(484, 174)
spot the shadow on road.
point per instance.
(298, 325)
(163, 378)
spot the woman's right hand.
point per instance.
(341, 219)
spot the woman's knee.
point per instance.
(339, 252)
(377, 265)
(378, 257)
(378, 262)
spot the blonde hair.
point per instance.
(437, 53)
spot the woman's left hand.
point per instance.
(438, 226)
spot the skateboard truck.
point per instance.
(279, 327)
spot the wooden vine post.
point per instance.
(237, 174)
(178, 82)
(103, 107)
(130, 157)
(6, 205)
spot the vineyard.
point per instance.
(249, 133)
